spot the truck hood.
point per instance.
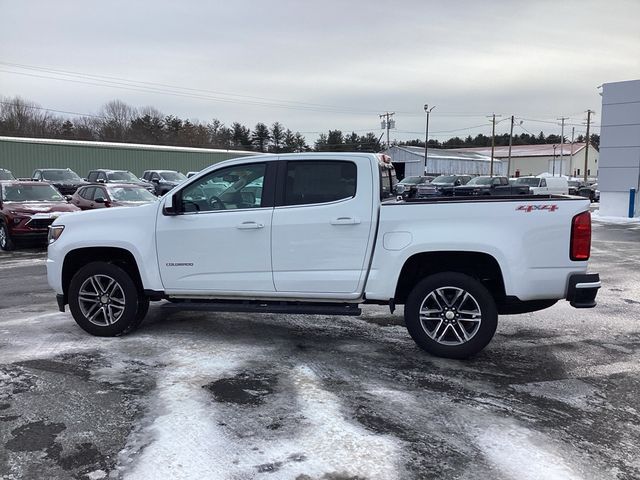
(109, 216)
(40, 207)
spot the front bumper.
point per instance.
(582, 289)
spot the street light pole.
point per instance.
(554, 160)
(426, 136)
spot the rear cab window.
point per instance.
(319, 181)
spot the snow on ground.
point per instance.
(189, 431)
(524, 455)
(613, 220)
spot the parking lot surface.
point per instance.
(239, 396)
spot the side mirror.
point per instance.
(171, 203)
(458, 183)
(68, 198)
(100, 200)
(155, 180)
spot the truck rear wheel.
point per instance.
(104, 300)
(451, 315)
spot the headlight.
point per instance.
(54, 233)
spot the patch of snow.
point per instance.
(614, 220)
(572, 391)
(97, 475)
(186, 439)
(521, 454)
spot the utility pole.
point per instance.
(573, 133)
(510, 144)
(562, 119)
(493, 141)
(554, 161)
(388, 124)
(426, 136)
(586, 148)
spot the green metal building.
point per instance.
(23, 155)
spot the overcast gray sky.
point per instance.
(252, 61)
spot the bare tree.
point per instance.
(116, 120)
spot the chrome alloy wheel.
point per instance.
(101, 300)
(450, 315)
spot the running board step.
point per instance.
(349, 309)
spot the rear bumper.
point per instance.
(582, 289)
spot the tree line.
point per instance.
(117, 121)
(502, 140)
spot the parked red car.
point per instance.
(111, 195)
(27, 209)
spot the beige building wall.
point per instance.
(541, 164)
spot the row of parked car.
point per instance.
(29, 205)
(468, 185)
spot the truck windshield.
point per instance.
(480, 181)
(528, 181)
(123, 177)
(445, 179)
(31, 193)
(60, 175)
(411, 181)
(172, 176)
(6, 175)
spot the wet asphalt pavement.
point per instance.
(238, 396)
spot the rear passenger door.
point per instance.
(322, 225)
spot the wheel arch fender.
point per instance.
(78, 257)
(478, 264)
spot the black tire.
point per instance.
(448, 328)
(141, 313)
(6, 243)
(106, 310)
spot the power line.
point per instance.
(211, 95)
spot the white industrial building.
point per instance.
(544, 158)
(409, 161)
(619, 148)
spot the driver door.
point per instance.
(220, 240)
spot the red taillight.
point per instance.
(580, 237)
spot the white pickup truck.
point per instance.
(313, 233)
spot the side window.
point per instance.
(145, 176)
(102, 176)
(319, 181)
(231, 188)
(37, 175)
(93, 176)
(543, 183)
(87, 193)
(495, 181)
(155, 176)
(99, 193)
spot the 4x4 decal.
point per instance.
(530, 208)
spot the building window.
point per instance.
(589, 172)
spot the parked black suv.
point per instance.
(163, 180)
(6, 175)
(118, 176)
(442, 185)
(64, 179)
(486, 185)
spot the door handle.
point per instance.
(345, 221)
(250, 226)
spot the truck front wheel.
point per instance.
(105, 301)
(451, 315)
(6, 243)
